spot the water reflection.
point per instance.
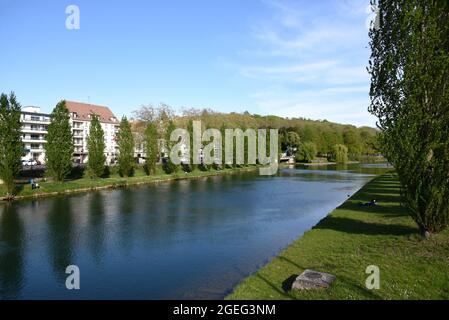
(60, 235)
(183, 239)
(11, 252)
(96, 225)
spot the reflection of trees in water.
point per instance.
(333, 172)
(96, 240)
(182, 208)
(126, 210)
(11, 252)
(61, 236)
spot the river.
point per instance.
(190, 239)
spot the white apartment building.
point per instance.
(35, 124)
(34, 131)
(80, 119)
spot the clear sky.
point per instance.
(285, 57)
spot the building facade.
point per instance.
(80, 120)
(35, 126)
(34, 132)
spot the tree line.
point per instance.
(309, 138)
(150, 129)
(60, 146)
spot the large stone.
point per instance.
(311, 279)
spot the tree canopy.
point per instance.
(125, 142)
(409, 67)
(59, 146)
(11, 146)
(96, 148)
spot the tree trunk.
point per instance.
(424, 232)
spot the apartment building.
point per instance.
(34, 131)
(80, 120)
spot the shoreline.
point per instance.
(347, 241)
(317, 164)
(124, 183)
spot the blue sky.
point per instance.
(288, 58)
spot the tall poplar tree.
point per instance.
(151, 148)
(169, 167)
(11, 146)
(125, 142)
(59, 146)
(95, 148)
(409, 67)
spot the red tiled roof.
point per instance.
(83, 110)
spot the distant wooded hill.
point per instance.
(324, 134)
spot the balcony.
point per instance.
(34, 130)
(34, 140)
(38, 121)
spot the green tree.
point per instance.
(409, 68)
(151, 148)
(340, 153)
(11, 146)
(169, 166)
(95, 147)
(353, 141)
(223, 145)
(125, 142)
(59, 146)
(192, 153)
(306, 152)
(292, 141)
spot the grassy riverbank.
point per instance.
(114, 180)
(351, 238)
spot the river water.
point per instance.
(190, 239)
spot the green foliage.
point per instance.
(340, 153)
(290, 141)
(151, 148)
(352, 139)
(323, 133)
(169, 166)
(192, 155)
(410, 95)
(306, 152)
(59, 146)
(125, 142)
(11, 146)
(96, 147)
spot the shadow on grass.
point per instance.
(287, 283)
(353, 226)
(275, 288)
(349, 283)
(382, 191)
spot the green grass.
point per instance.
(113, 181)
(351, 238)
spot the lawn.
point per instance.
(114, 181)
(351, 238)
